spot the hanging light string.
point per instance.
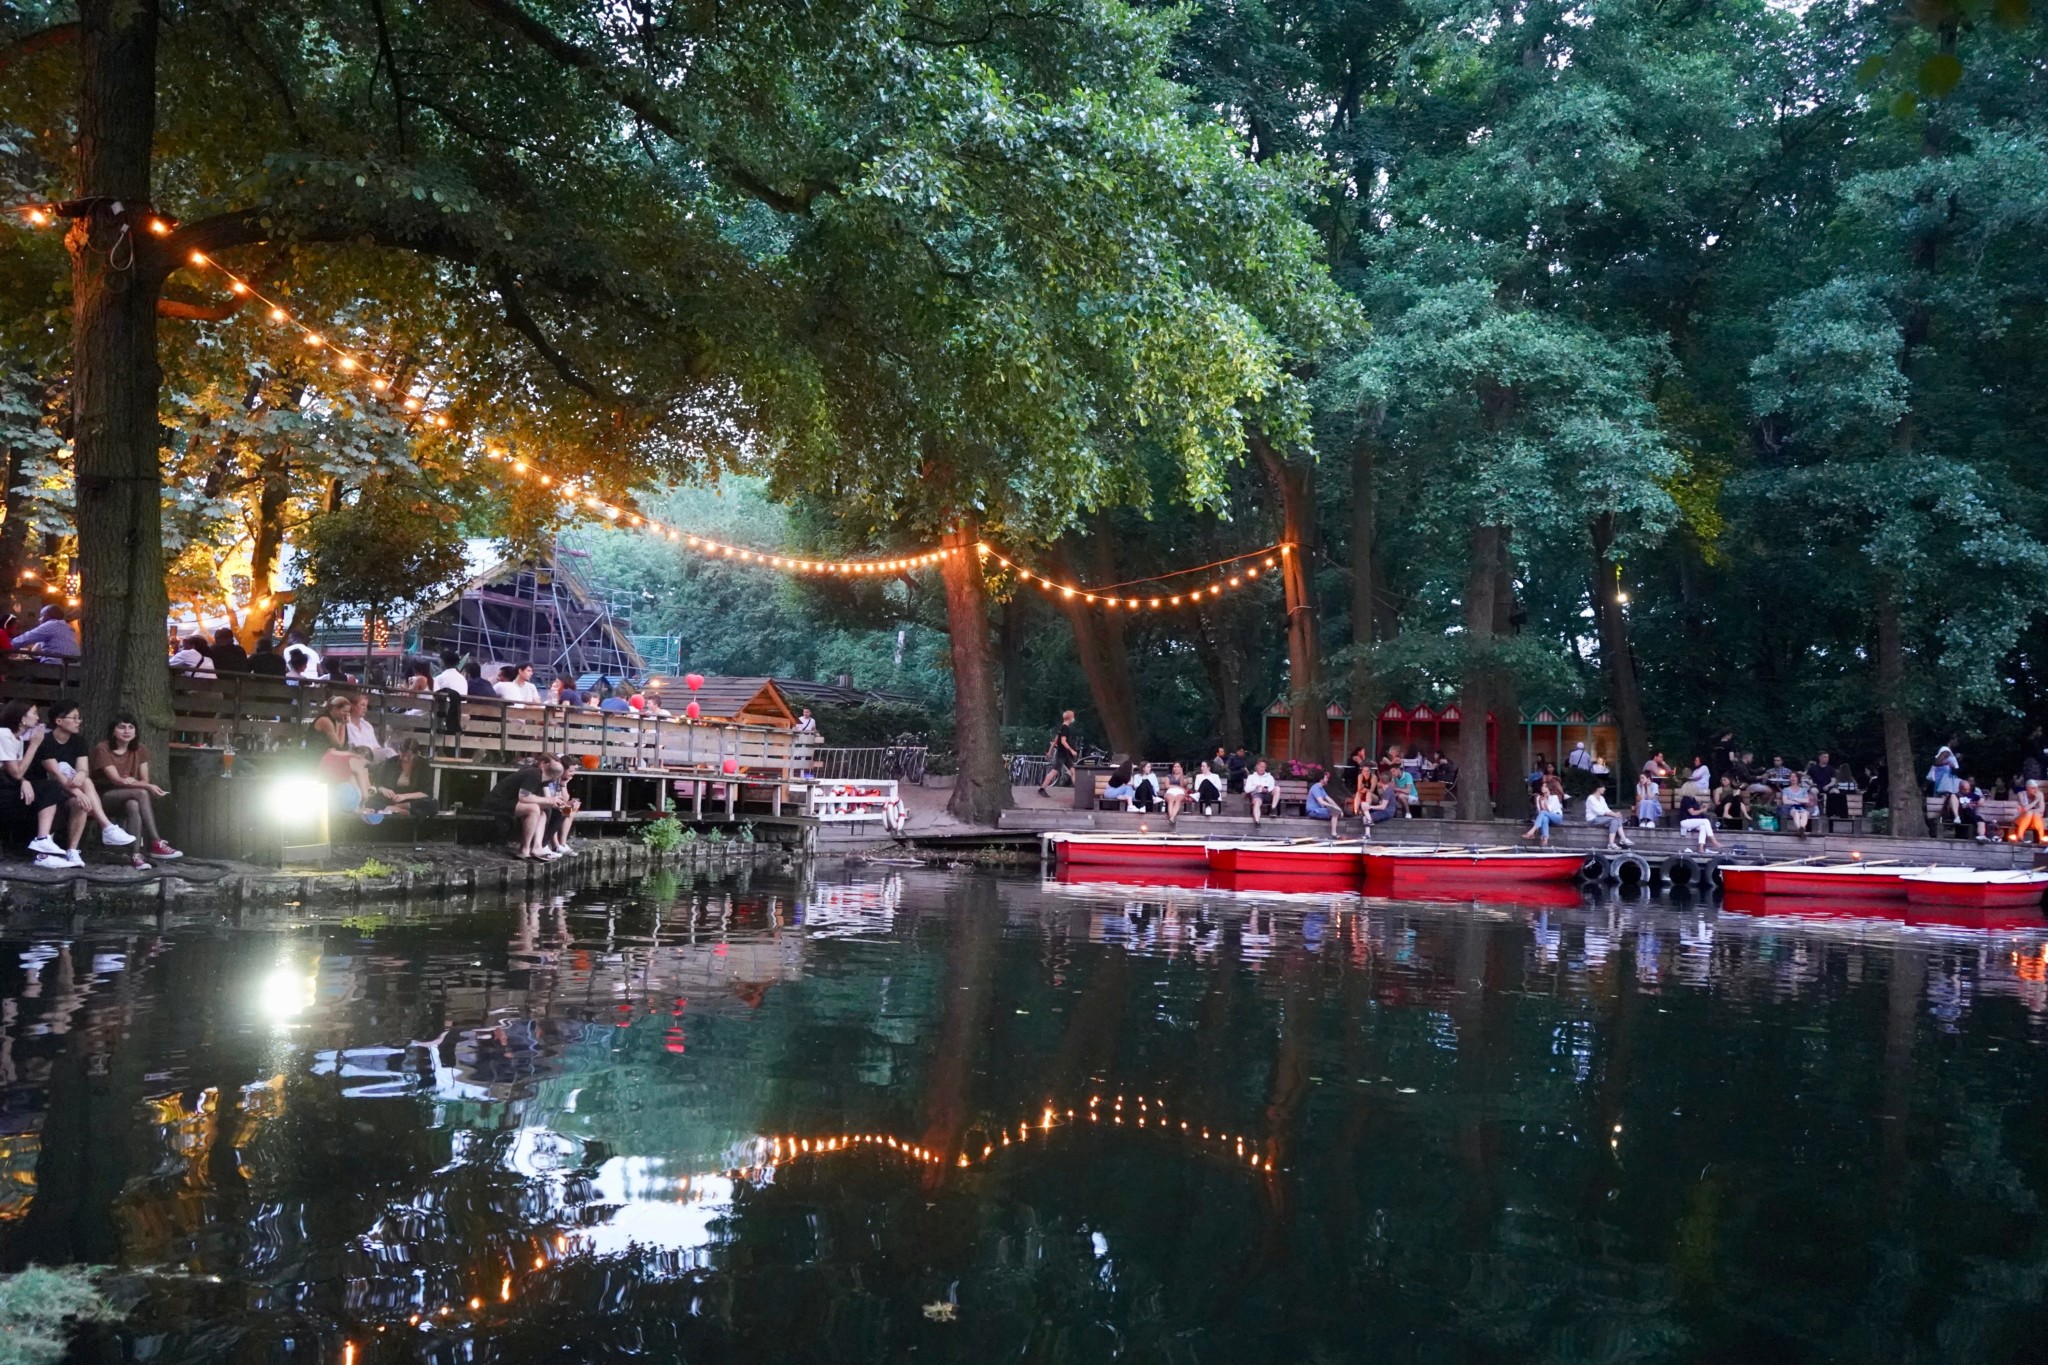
(1194, 596)
(356, 366)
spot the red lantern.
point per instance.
(693, 710)
(693, 681)
(732, 765)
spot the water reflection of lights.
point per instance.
(285, 993)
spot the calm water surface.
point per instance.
(870, 1117)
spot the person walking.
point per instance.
(1060, 755)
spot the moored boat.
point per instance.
(1452, 871)
(1275, 856)
(1827, 881)
(1127, 850)
(1974, 888)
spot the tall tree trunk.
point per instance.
(13, 530)
(1010, 650)
(116, 275)
(1504, 696)
(981, 793)
(1909, 809)
(267, 540)
(1365, 690)
(1617, 659)
(1310, 741)
(1475, 798)
(1216, 646)
(1099, 643)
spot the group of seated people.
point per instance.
(1372, 791)
(48, 772)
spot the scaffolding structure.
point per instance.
(534, 611)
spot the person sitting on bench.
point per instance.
(1319, 806)
(1259, 789)
(1375, 804)
(1208, 790)
(2033, 807)
(1118, 788)
(1144, 789)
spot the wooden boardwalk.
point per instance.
(621, 763)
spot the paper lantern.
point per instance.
(693, 710)
(693, 681)
(732, 765)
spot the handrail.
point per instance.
(262, 711)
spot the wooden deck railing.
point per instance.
(261, 713)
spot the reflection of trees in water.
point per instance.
(1806, 1117)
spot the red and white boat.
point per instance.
(1396, 870)
(1974, 888)
(1128, 850)
(1313, 858)
(1874, 881)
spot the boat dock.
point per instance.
(1661, 857)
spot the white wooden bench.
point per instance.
(855, 800)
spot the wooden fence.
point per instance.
(261, 714)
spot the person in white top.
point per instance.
(1598, 812)
(451, 677)
(515, 684)
(192, 659)
(1259, 787)
(361, 734)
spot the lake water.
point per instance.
(864, 1117)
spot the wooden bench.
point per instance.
(1996, 815)
(834, 802)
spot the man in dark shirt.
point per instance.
(227, 653)
(523, 808)
(1060, 755)
(1240, 764)
(1821, 772)
(266, 662)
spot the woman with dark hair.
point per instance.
(407, 776)
(66, 781)
(21, 741)
(120, 765)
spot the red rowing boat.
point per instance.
(1975, 888)
(1313, 859)
(1457, 871)
(1826, 881)
(1127, 850)
(1821, 909)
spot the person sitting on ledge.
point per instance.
(1118, 787)
(1144, 789)
(120, 765)
(1176, 794)
(1208, 790)
(1319, 806)
(1375, 805)
(1600, 814)
(66, 781)
(1693, 822)
(2033, 806)
(1795, 805)
(1259, 789)
(523, 807)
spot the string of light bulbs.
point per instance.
(357, 366)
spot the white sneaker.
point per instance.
(71, 858)
(44, 844)
(53, 861)
(113, 836)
